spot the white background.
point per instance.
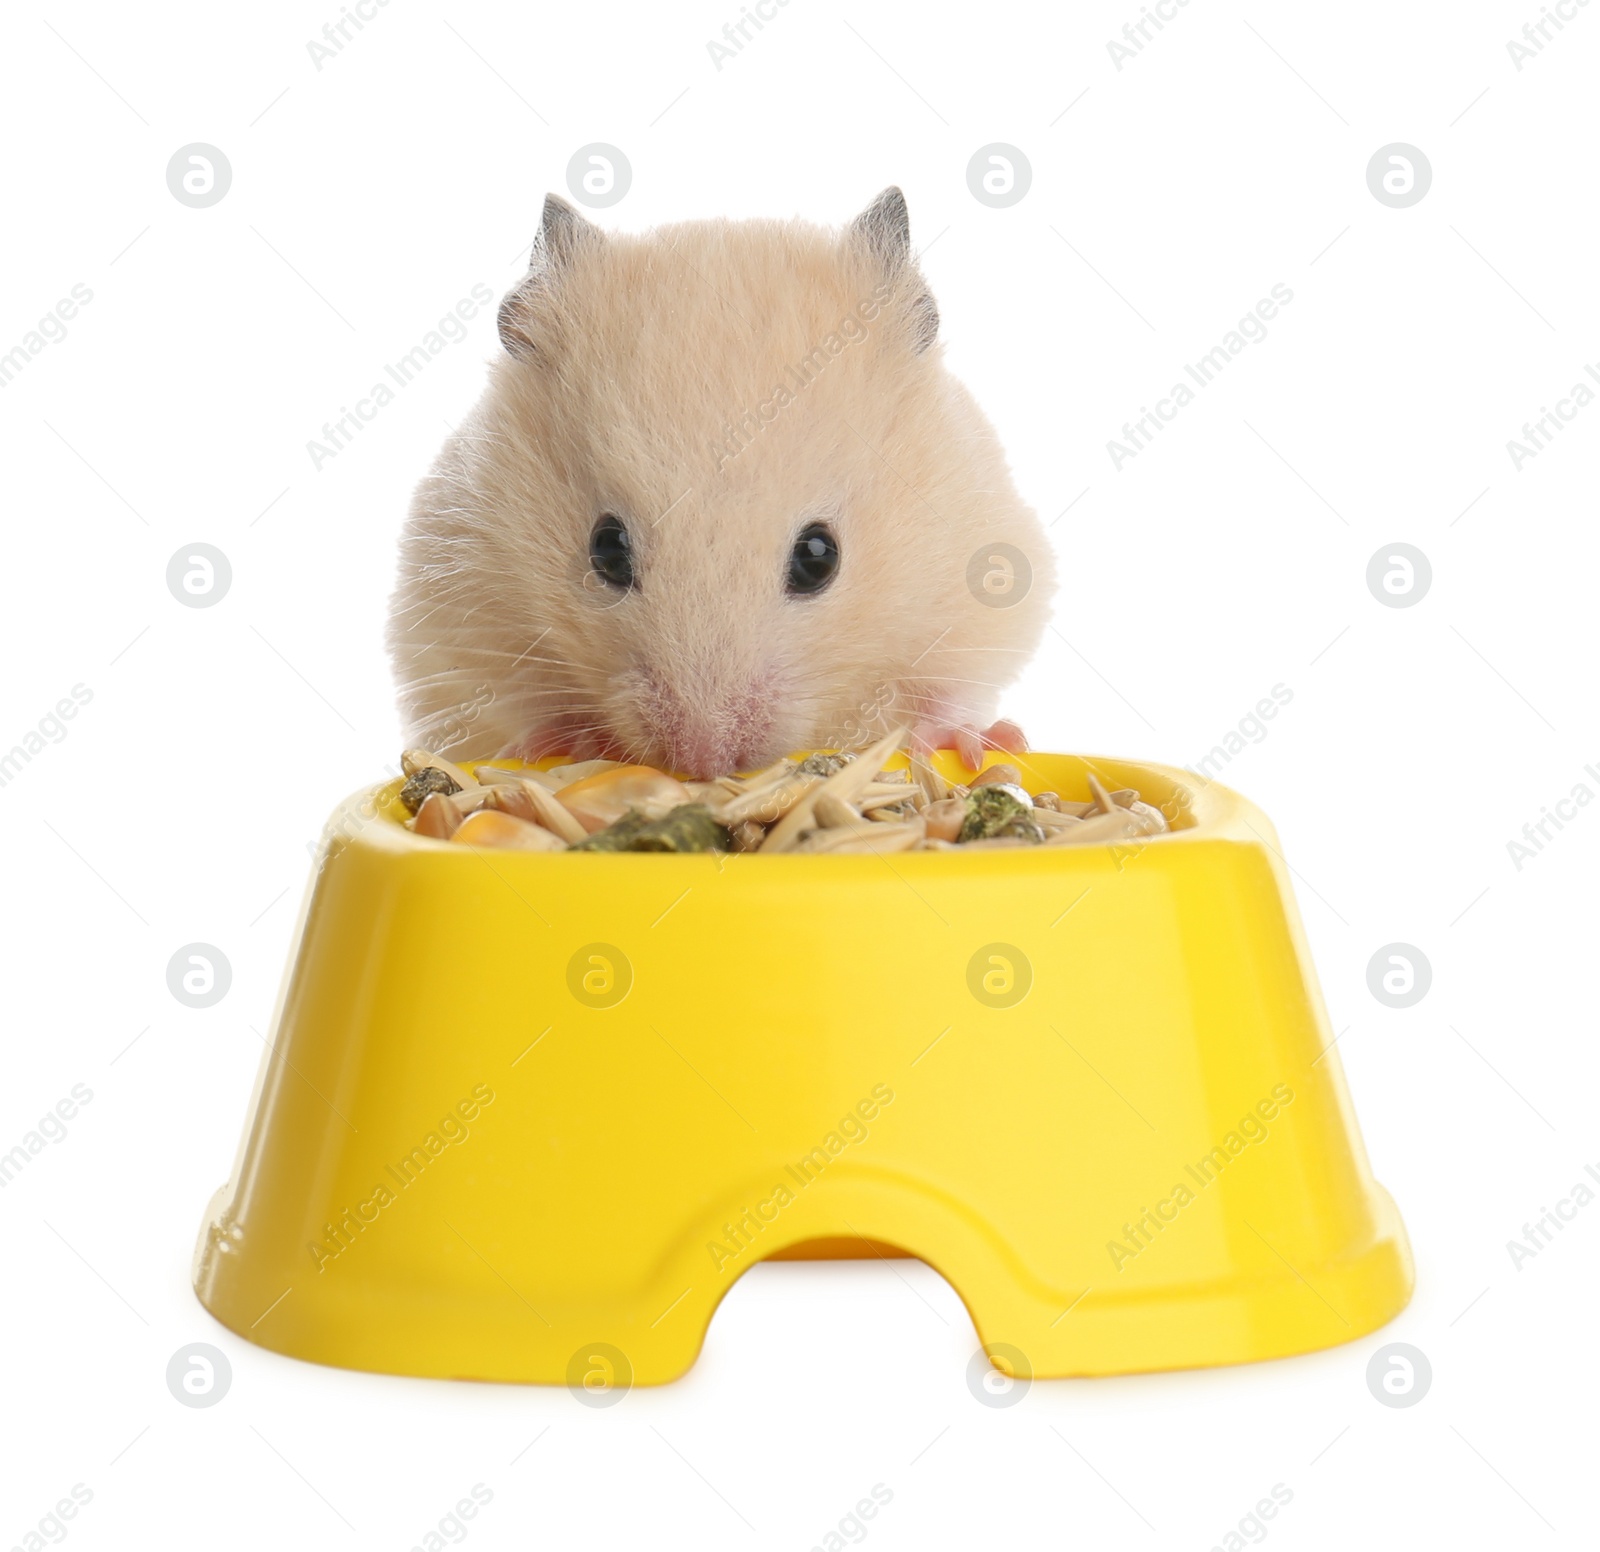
(1167, 198)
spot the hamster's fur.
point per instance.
(716, 386)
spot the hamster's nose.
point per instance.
(704, 734)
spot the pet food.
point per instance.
(825, 803)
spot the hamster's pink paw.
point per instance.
(968, 742)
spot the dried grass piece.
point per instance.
(767, 803)
(1121, 824)
(834, 813)
(562, 775)
(1049, 820)
(888, 802)
(879, 839)
(927, 778)
(846, 783)
(892, 813)
(494, 775)
(688, 828)
(547, 811)
(714, 792)
(773, 772)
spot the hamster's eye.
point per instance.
(611, 552)
(814, 561)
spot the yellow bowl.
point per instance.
(527, 1116)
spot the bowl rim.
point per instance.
(1198, 808)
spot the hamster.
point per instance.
(720, 501)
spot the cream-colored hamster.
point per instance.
(720, 501)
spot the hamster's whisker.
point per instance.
(987, 684)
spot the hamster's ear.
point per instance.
(883, 229)
(562, 234)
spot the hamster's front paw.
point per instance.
(968, 742)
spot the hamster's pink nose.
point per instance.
(703, 734)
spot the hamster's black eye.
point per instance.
(814, 560)
(611, 551)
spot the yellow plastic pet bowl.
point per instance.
(527, 1116)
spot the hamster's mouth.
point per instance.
(703, 758)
